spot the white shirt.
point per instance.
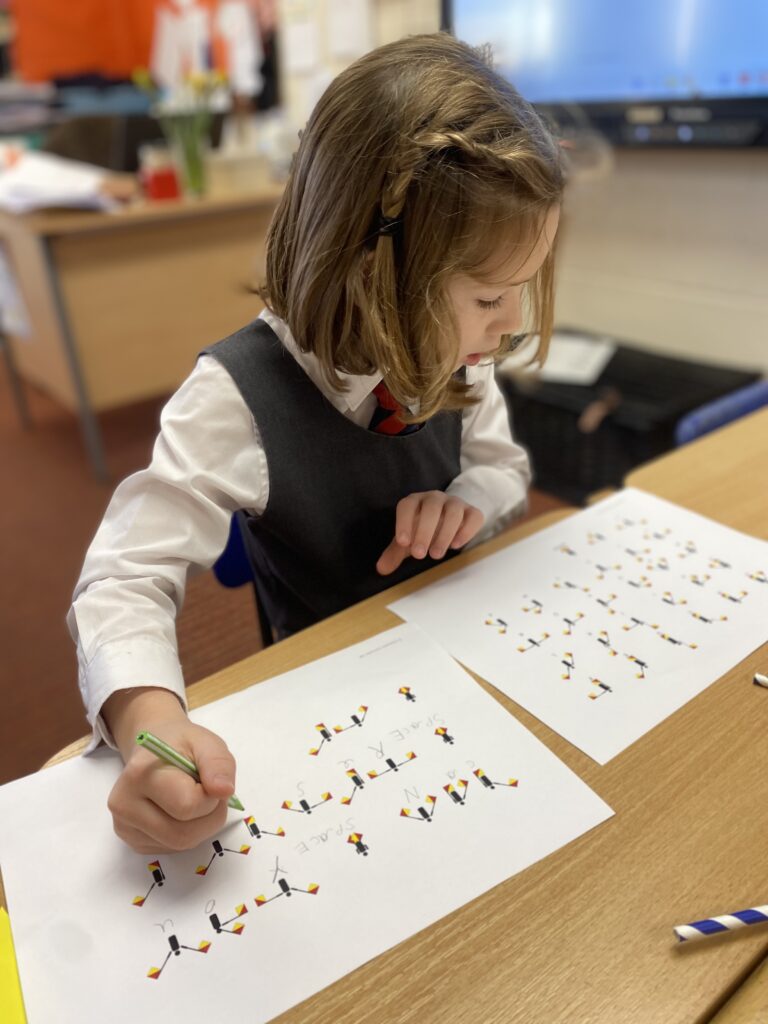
(173, 517)
(182, 38)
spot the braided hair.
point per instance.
(418, 162)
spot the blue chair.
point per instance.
(235, 568)
(721, 411)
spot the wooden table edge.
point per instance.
(65, 222)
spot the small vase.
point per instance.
(187, 135)
(192, 155)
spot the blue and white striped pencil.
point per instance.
(724, 923)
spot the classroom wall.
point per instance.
(318, 40)
(665, 248)
(670, 249)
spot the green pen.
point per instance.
(170, 756)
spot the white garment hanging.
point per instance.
(183, 37)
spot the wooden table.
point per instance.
(585, 936)
(121, 303)
(723, 476)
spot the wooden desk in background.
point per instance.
(585, 936)
(121, 303)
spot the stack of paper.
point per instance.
(572, 358)
(39, 180)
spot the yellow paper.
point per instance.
(11, 1006)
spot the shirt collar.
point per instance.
(358, 387)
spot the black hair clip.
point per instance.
(387, 226)
(382, 227)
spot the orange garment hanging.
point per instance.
(66, 38)
(112, 38)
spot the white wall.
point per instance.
(671, 250)
(387, 20)
(396, 18)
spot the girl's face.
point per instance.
(485, 310)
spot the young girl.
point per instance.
(357, 421)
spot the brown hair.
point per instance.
(422, 130)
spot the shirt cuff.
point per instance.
(127, 665)
(500, 498)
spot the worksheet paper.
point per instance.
(383, 787)
(604, 624)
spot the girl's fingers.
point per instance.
(452, 519)
(430, 513)
(147, 818)
(140, 805)
(405, 516)
(139, 841)
(429, 522)
(473, 521)
(170, 789)
(391, 558)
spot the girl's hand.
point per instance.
(429, 522)
(155, 807)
